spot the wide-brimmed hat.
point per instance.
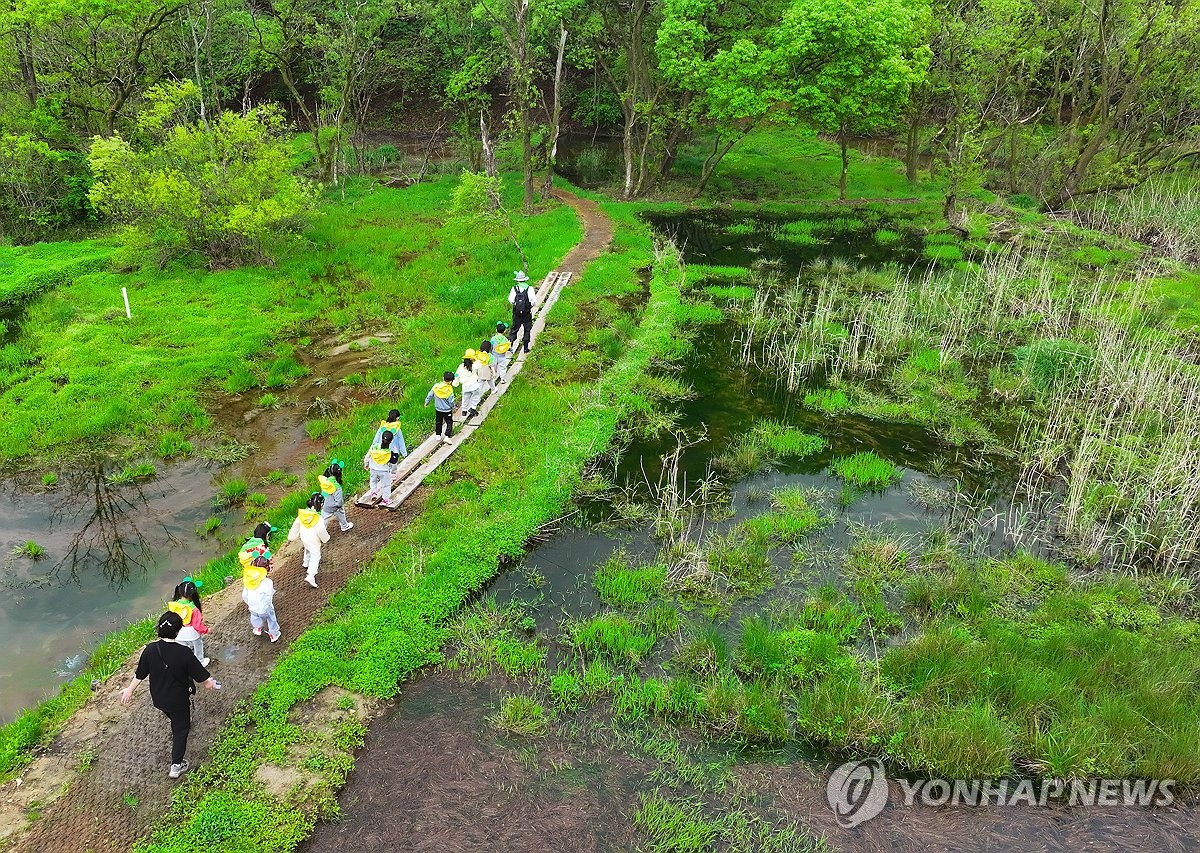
(519, 275)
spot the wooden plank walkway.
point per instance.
(424, 459)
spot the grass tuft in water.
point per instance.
(520, 715)
(865, 470)
(622, 584)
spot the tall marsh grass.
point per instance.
(1115, 401)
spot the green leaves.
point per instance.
(223, 191)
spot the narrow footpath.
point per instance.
(102, 782)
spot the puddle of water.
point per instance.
(112, 555)
(728, 238)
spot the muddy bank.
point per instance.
(434, 777)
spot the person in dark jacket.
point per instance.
(521, 298)
(174, 673)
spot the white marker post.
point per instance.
(125, 296)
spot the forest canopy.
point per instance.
(1054, 101)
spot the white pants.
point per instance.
(256, 620)
(470, 399)
(381, 484)
(312, 559)
(501, 366)
(196, 645)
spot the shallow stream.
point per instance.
(113, 553)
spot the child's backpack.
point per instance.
(522, 304)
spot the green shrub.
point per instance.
(224, 189)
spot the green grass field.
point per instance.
(76, 374)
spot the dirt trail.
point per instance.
(103, 781)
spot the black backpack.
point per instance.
(522, 304)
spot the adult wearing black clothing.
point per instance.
(174, 673)
(520, 297)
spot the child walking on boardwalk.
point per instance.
(501, 346)
(485, 366)
(185, 604)
(335, 500)
(258, 591)
(311, 532)
(379, 461)
(442, 397)
(466, 378)
(392, 425)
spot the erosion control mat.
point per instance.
(126, 788)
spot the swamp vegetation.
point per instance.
(845, 456)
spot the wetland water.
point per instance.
(113, 553)
(579, 787)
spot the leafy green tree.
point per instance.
(851, 64)
(41, 188)
(95, 58)
(719, 59)
(224, 190)
(478, 202)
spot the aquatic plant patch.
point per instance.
(865, 470)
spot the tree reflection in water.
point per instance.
(114, 530)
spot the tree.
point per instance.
(851, 64)
(718, 57)
(98, 57)
(326, 46)
(223, 190)
(478, 201)
(41, 188)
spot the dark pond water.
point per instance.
(720, 237)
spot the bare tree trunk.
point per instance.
(912, 147)
(485, 140)
(28, 69)
(200, 43)
(842, 142)
(627, 147)
(555, 112)
(524, 84)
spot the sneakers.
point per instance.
(349, 526)
(178, 770)
(446, 440)
(311, 581)
(203, 662)
(275, 637)
(256, 631)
